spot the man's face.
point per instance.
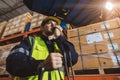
(47, 28)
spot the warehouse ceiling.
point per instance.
(89, 11)
(11, 8)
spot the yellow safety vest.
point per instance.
(40, 52)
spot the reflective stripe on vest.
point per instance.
(40, 52)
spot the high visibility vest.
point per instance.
(40, 52)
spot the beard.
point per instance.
(49, 33)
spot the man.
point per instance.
(47, 54)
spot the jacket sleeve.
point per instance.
(20, 64)
(69, 49)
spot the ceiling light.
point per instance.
(109, 6)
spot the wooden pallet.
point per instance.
(2, 27)
(17, 25)
(36, 20)
(3, 70)
(12, 32)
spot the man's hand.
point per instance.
(57, 32)
(53, 61)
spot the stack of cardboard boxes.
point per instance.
(97, 44)
(17, 25)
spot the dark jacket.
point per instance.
(19, 63)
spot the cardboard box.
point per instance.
(106, 61)
(86, 29)
(76, 43)
(101, 26)
(37, 20)
(115, 45)
(97, 61)
(110, 24)
(17, 24)
(90, 61)
(72, 33)
(110, 34)
(78, 65)
(2, 27)
(93, 43)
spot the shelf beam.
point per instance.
(9, 39)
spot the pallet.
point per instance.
(2, 27)
(17, 25)
(3, 70)
(11, 33)
(36, 20)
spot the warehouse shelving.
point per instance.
(97, 75)
(17, 37)
(87, 77)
